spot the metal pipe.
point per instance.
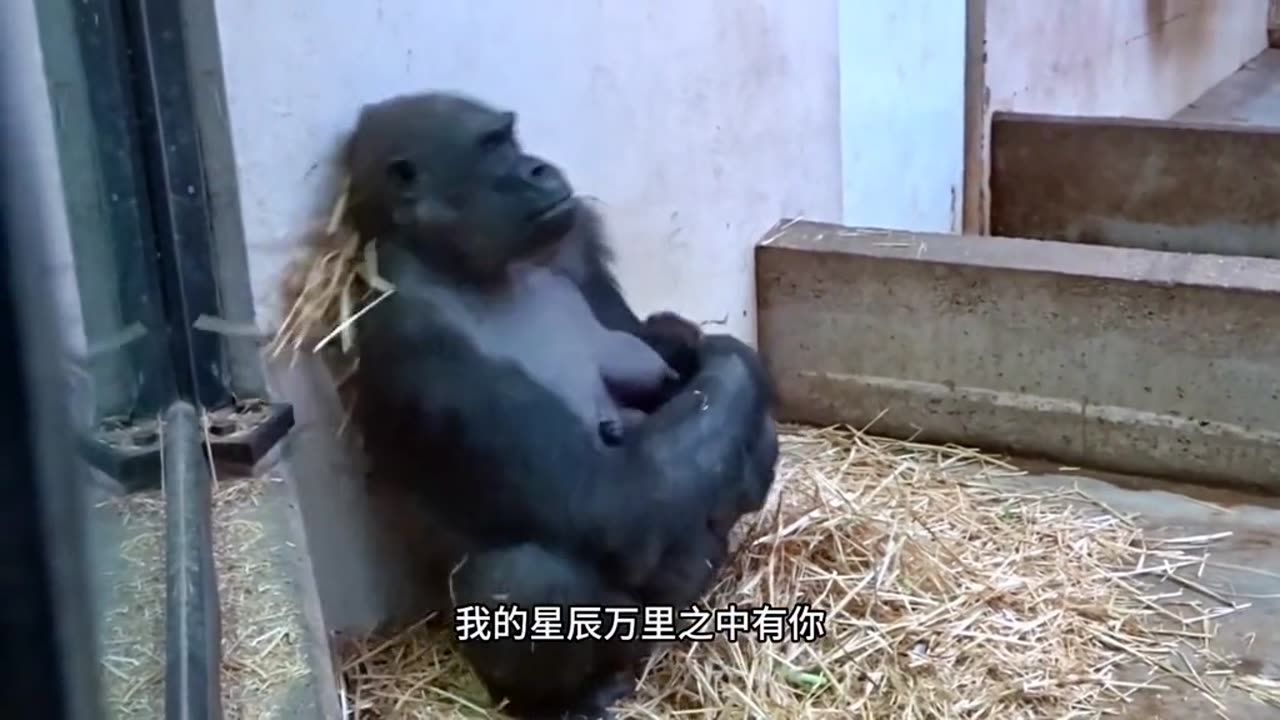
(193, 651)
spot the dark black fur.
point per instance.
(522, 495)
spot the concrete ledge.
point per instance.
(1113, 358)
(1156, 185)
(1273, 24)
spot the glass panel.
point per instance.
(103, 276)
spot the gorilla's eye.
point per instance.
(494, 140)
(402, 171)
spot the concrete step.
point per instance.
(1152, 184)
(1120, 359)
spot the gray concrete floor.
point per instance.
(1250, 637)
(1249, 96)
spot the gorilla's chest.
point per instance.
(544, 325)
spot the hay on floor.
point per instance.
(946, 597)
(262, 631)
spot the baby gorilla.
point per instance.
(623, 372)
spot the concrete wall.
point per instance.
(1116, 57)
(698, 124)
(902, 68)
(1035, 365)
(1273, 23)
(1136, 183)
(1124, 58)
(757, 93)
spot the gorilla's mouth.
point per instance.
(549, 227)
(555, 209)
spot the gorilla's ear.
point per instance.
(410, 206)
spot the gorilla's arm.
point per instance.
(672, 337)
(594, 275)
(683, 346)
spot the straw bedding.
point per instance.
(261, 654)
(947, 597)
(132, 622)
(947, 594)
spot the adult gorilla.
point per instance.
(522, 496)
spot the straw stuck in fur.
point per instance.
(334, 283)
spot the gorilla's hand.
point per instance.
(676, 339)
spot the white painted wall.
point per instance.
(1128, 58)
(699, 124)
(1112, 58)
(702, 123)
(902, 113)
